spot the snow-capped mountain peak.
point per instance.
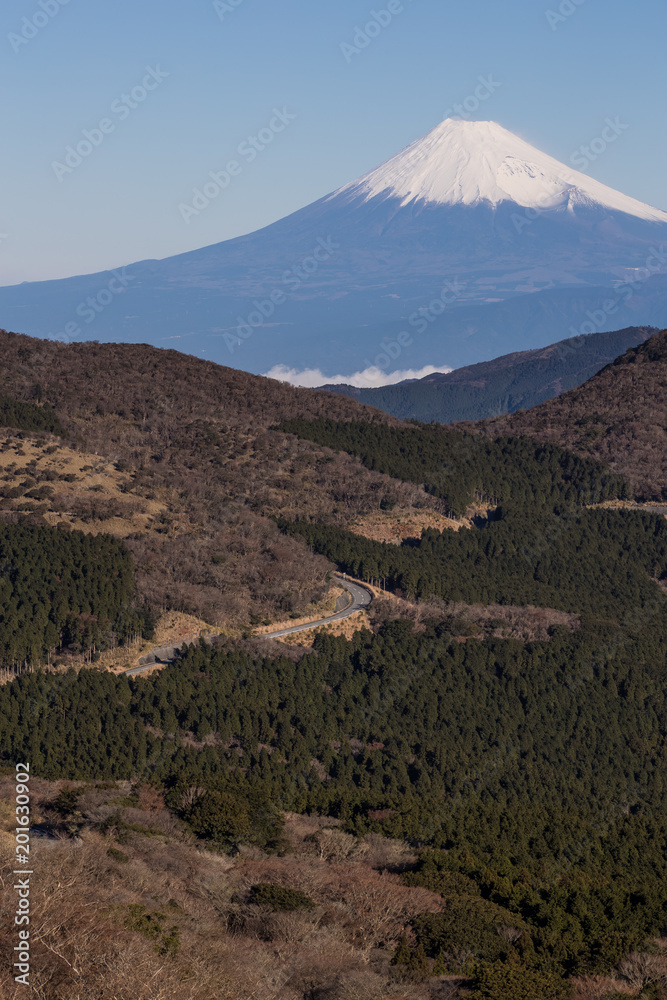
(472, 163)
(425, 264)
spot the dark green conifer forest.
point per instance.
(64, 590)
(535, 772)
(461, 467)
(28, 416)
(529, 776)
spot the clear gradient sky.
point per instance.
(229, 64)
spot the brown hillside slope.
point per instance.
(136, 909)
(619, 417)
(193, 442)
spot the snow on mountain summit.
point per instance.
(445, 210)
(472, 163)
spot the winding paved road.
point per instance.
(360, 598)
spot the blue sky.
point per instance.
(218, 71)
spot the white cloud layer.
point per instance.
(369, 378)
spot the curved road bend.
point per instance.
(360, 598)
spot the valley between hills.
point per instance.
(457, 792)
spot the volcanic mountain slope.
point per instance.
(176, 455)
(528, 248)
(512, 382)
(619, 417)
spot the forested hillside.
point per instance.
(541, 544)
(64, 590)
(593, 562)
(189, 443)
(618, 417)
(512, 382)
(460, 468)
(521, 777)
(537, 769)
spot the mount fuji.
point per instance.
(468, 244)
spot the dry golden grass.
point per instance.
(94, 482)
(395, 526)
(650, 506)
